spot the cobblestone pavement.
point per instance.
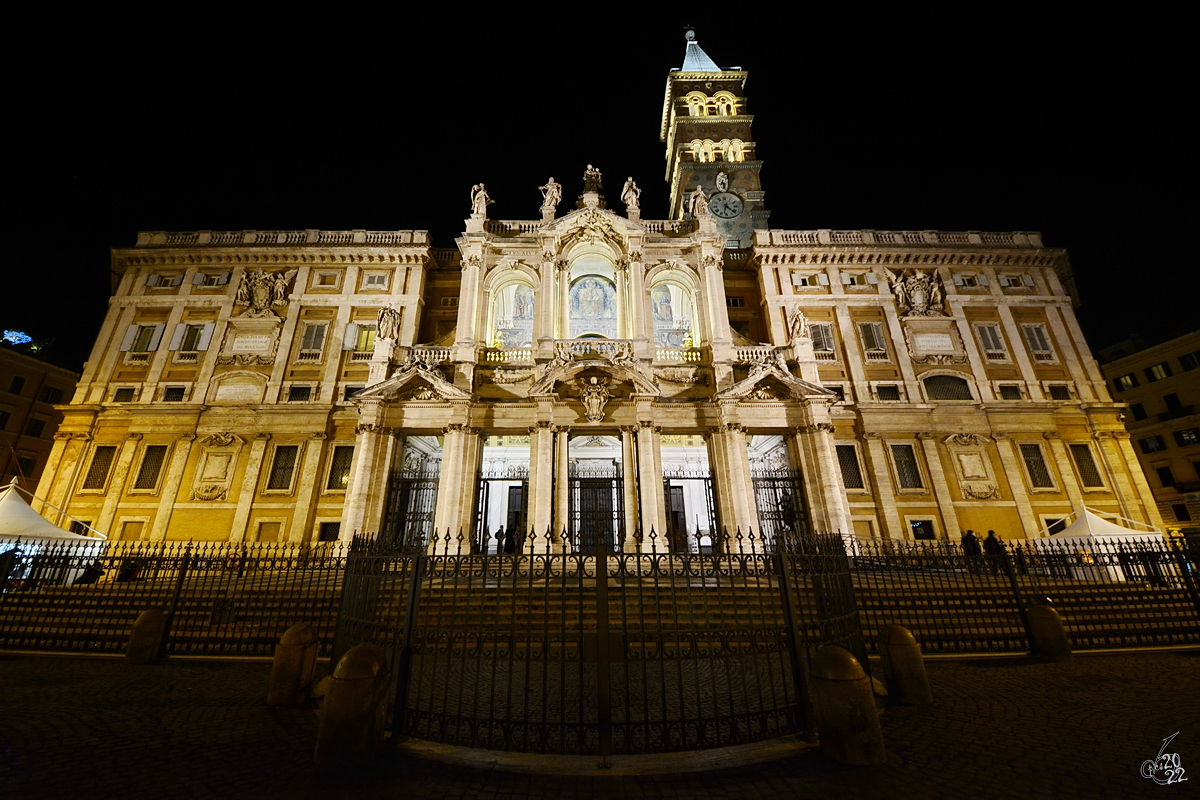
(100, 728)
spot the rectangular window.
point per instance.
(1138, 410)
(735, 302)
(5, 416)
(449, 302)
(97, 474)
(210, 279)
(1125, 383)
(888, 392)
(329, 532)
(142, 338)
(26, 465)
(907, 472)
(872, 337)
(191, 338)
(1089, 473)
(339, 468)
(922, 529)
(1187, 437)
(1181, 513)
(327, 279)
(1039, 345)
(350, 390)
(314, 337)
(1153, 444)
(839, 391)
(1009, 391)
(81, 526)
(1059, 392)
(1157, 372)
(299, 394)
(851, 472)
(364, 342)
(1035, 465)
(1196, 468)
(173, 394)
(35, 428)
(989, 337)
(1165, 476)
(966, 280)
(822, 337)
(123, 395)
(283, 466)
(376, 280)
(52, 395)
(152, 461)
(16, 385)
(1172, 401)
(1190, 361)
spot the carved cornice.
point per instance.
(926, 436)
(819, 427)
(911, 259)
(966, 440)
(238, 255)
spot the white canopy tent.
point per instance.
(18, 520)
(1099, 549)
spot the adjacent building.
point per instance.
(29, 391)
(1161, 384)
(588, 376)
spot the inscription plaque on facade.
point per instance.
(238, 391)
(252, 343)
(934, 342)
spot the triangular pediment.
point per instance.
(592, 225)
(414, 383)
(555, 374)
(772, 383)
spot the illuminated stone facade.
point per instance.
(590, 376)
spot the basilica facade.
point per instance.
(588, 377)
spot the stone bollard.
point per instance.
(1047, 637)
(353, 711)
(292, 672)
(847, 722)
(903, 667)
(145, 639)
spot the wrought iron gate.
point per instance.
(507, 489)
(411, 502)
(782, 512)
(596, 506)
(692, 522)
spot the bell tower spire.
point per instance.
(706, 128)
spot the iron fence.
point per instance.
(221, 598)
(1109, 594)
(599, 653)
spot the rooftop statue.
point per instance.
(551, 195)
(591, 179)
(479, 201)
(698, 203)
(630, 195)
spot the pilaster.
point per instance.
(629, 486)
(941, 488)
(1009, 460)
(246, 497)
(170, 488)
(885, 498)
(116, 484)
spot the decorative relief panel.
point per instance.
(972, 466)
(215, 467)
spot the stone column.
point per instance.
(1066, 470)
(563, 270)
(562, 485)
(541, 482)
(653, 515)
(249, 492)
(622, 278)
(642, 340)
(1010, 460)
(629, 486)
(374, 445)
(1110, 458)
(307, 489)
(717, 316)
(544, 311)
(941, 488)
(1129, 459)
(885, 497)
(170, 488)
(822, 474)
(735, 485)
(53, 483)
(461, 452)
(116, 484)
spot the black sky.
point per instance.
(206, 117)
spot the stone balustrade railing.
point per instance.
(507, 355)
(260, 238)
(688, 355)
(903, 238)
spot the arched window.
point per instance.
(512, 316)
(671, 312)
(947, 387)
(696, 104)
(726, 103)
(593, 307)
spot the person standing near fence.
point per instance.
(973, 552)
(995, 552)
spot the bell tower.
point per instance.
(706, 128)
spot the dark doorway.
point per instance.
(596, 506)
(922, 529)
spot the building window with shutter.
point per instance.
(97, 474)
(313, 339)
(1037, 342)
(908, 475)
(1089, 473)
(874, 345)
(339, 468)
(1152, 444)
(1125, 383)
(822, 337)
(1035, 466)
(152, 462)
(283, 468)
(852, 477)
(1158, 372)
(992, 342)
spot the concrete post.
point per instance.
(903, 667)
(292, 671)
(847, 721)
(1048, 638)
(146, 637)
(353, 711)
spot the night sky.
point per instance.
(330, 117)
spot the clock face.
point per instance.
(725, 205)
